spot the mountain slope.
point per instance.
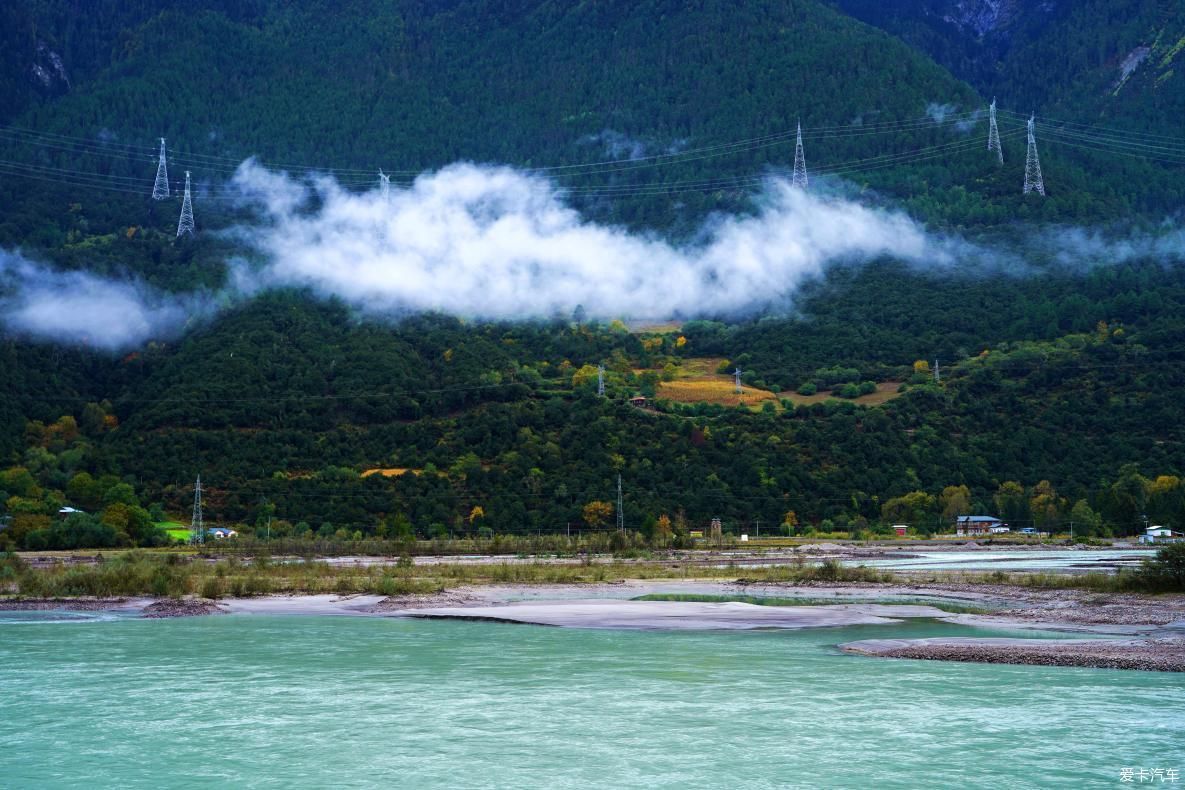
(1118, 60)
(420, 85)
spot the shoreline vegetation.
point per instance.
(171, 574)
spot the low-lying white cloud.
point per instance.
(492, 242)
(79, 308)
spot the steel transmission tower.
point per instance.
(1033, 180)
(601, 380)
(620, 508)
(197, 531)
(994, 132)
(736, 374)
(185, 224)
(160, 190)
(800, 179)
(384, 185)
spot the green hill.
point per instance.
(1057, 380)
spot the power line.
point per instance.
(1124, 133)
(213, 162)
(991, 362)
(134, 185)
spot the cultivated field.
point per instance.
(696, 381)
(718, 389)
(391, 471)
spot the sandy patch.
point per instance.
(302, 604)
(679, 615)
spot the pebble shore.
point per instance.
(1158, 655)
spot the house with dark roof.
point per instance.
(979, 525)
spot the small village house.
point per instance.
(979, 525)
(1161, 534)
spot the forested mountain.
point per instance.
(536, 84)
(1058, 376)
(1117, 60)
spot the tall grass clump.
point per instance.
(1166, 571)
(133, 573)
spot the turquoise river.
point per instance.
(342, 702)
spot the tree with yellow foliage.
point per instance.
(596, 513)
(790, 521)
(585, 376)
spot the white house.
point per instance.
(1159, 534)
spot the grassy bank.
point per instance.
(176, 575)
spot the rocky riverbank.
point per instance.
(1163, 654)
(69, 604)
(181, 607)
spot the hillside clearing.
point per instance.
(718, 389)
(885, 392)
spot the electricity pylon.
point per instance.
(994, 132)
(185, 224)
(197, 532)
(1033, 180)
(160, 190)
(620, 508)
(384, 185)
(601, 380)
(799, 179)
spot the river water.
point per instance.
(301, 701)
(1019, 560)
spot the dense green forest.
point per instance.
(1058, 394)
(282, 405)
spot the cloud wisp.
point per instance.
(79, 308)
